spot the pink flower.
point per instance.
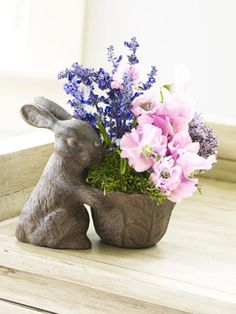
(180, 143)
(142, 145)
(177, 110)
(132, 72)
(162, 141)
(158, 119)
(145, 103)
(172, 175)
(166, 175)
(190, 162)
(172, 116)
(186, 188)
(180, 109)
(117, 83)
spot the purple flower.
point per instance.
(151, 78)
(115, 61)
(199, 132)
(132, 45)
(103, 98)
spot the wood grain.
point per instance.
(224, 170)
(192, 270)
(20, 171)
(12, 203)
(65, 297)
(7, 307)
(227, 140)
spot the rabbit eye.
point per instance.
(72, 142)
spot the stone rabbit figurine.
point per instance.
(54, 215)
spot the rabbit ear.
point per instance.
(56, 110)
(38, 116)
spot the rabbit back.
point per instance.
(51, 216)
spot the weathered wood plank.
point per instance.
(227, 139)
(22, 169)
(12, 203)
(136, 282)
(7, 307)
(63, 297)
(224, 170)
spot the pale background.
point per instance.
(41, 37)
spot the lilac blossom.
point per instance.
(201, 133)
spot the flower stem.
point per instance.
(134, 122)
(162, 96)
(168, 87)
(123, 165)
(104, 134)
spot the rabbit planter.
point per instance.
(54, 215)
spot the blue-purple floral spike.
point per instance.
(103, 98)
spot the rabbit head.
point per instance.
(74, 139)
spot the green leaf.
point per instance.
(169, 87)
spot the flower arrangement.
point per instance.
(155, 143)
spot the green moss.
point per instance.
(114, 174)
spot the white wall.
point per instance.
(198, 33)
(56, 33)
(16, 91)
(51, 40)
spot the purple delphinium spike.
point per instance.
(151, 78)
(115, 61)
(132, 45)
(200, 132)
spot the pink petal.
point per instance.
(144, 119)
(129, 140)
(162, 124)
(150, 135)
(140, 164)
(191, 162)
(184, 190)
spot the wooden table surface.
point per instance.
(192, 269)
